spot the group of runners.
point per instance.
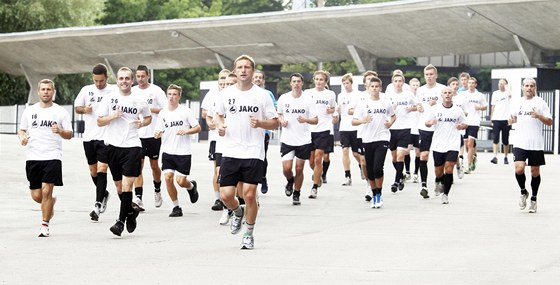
(126, 123)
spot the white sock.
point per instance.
(176, 203)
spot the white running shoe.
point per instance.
(379, 201)
(136, 201)
(533, 207)
(460, 172)
(439, 188)
(347, 182)
(157, 199)
(44, 231)
(237, 222)
(523, 201)
(415, 178)
(407, 177)
(313, 194)
(95, 213)
(248, 242)
(444, 199)
(224, 218)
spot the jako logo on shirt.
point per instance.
(243, 109)
(129, 110)
(377, 111)
(173, 124)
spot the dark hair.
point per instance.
(297, 75)
(143, 68)
(100, 69)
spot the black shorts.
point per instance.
(178, 163)
(361, 149)
(471, 131)
(47, 171)
(321, 140)
(301, 152)
(234, 170)
(96, 151)
(151, 147)
(218, 159)
(425, 140)
(212, 151)
(534, 157)
(330, 148)
(399, 138)
(124, 161)
(414, 140)
(441, 157)
(349, 139)
(500, 126)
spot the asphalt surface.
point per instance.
(481, 237)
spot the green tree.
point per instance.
(29, 15)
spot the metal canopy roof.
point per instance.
(383, 30)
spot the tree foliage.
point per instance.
(29, 15)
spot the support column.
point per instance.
(364, 60)
(33, 79)
(531, 53)
(225, 63)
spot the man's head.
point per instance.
(46, 90)
(174, 94)
(99, 76)
(124, 79)
(244, 68)
(142, 76)
(430, 74)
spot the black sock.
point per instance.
(138, 191)
(291, 180)
(121, 196)
(407, 163)
(101, 186)
(347, 173)
(447, 182)
(520, 180)
(94, 179)
(439, 179)
(416, 164)
(126, 206)
(315, 186)
(157, 186)
(399, 167)
(326, 165)
(423, 171)
(535, 182)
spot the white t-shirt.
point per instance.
(501, 103)
(529, 135)
(425, 94)
(446, 135)
(170, 122)
(90, 95)
(209, 104)
(43, 144)
(321, 100)
(344, 101)
(474, 99)
(460, 100)
(241, 140)
(295, 133)
(155, 98)
(356, 101)
(401, 101)
(381, 111)
(122, 132)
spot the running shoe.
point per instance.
(193, 193)
(494, 160)
(138, 204)
(248, 242)
(289, 189)
(218, 205)
(313, 194)
(237, 222)
(424, 192)
(264, 186)
(117, 228)
(157, 199)
(131, 220)
(439, 188)
(224, 218)
(295, 198)
(523, 201)
(415, 178)
(506, 160)
(347, 181)
(176, 212)
(395, 187)
(104, 202)
(533, 207)
(44, 231)
(444, 199)
(94, 215)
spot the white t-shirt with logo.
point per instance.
(380, 111)
(474, 98)
(241, 140)
(170, 122)
(529, 135)
(295, 133)
(122, 132)
(446, 135)
(501, 103)
(90, 95)
(43, 144)
(425, 94)
(321, 100)
(344, 101)
(155, 98)
(402, 101)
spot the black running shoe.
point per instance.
(131, 220)
(218, 205)
(117, 228)
(295, 198)
(289, 189)
(193, 193)
(176, 212)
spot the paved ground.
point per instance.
(481, 237)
